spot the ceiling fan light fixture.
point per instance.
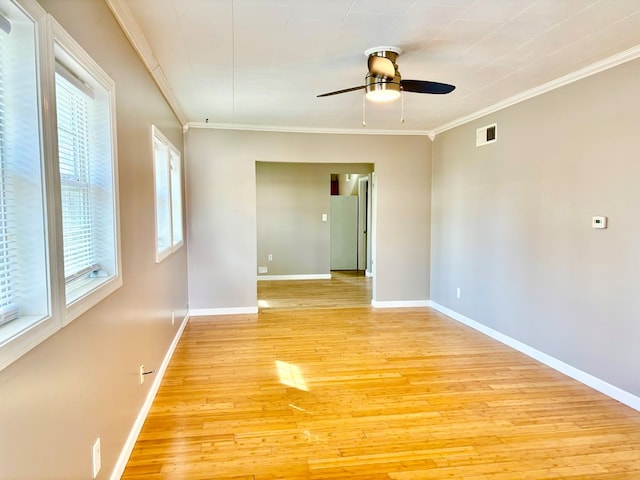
(383, 94)
(381, 89)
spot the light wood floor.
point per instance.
(344, 289)
(359, 393)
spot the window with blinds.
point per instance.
(24, 268)
(73, 141)
(86, 168)
(167, 166)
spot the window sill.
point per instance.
(168, 251)
(12, 329)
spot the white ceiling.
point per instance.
(261, 63)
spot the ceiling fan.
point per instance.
(383, 82)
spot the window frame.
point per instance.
(173, 246)
(64, 49)
(49, 37)
(28, 336)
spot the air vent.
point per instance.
(486, 135)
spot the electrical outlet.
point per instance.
(270, 258)
(96, 458)
(262, 269)
(141, 374)
(458, 292)
(173, 317)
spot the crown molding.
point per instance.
(597, 67)
(285, 129)
(132, 30)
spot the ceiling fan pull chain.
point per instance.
(364, 113)
(401, 105)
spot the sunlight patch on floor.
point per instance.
(291, 375)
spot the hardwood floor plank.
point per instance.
(358, 393)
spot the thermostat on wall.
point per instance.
(599, 222)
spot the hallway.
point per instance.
(345, 289)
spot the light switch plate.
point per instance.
(599, 222)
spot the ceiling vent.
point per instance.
(486, 135)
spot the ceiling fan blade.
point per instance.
(424, 86)
(352, 89)
(381, 67)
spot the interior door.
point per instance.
(344, 232)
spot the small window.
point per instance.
(87, 167)
(167, 165)
(25, 306)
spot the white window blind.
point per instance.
(8, 254)
(75, 179)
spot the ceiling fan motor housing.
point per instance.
(379, 82)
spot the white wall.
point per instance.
(82, 383)
(512, 224)
(221, 189)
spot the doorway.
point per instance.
(350, 223)
(294, 230)
(364, 225)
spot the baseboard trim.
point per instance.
(400, 304)
(315, 276)
(123, 458)
(367, 273)
(583, 377)
(205, 312)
